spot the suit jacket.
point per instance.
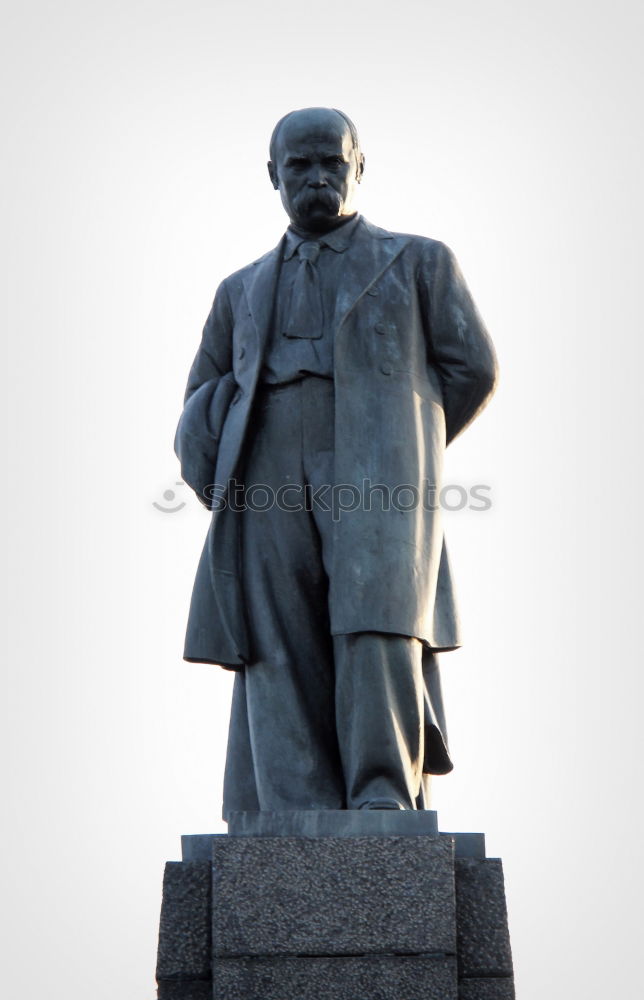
(413, 366)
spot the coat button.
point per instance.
(372, 291)
(242, 351)
(380, 328)
(386, 369)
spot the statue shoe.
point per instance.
(381, 804)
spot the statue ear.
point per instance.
(272, 173)
(360, 168)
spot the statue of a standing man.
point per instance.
(331, 375)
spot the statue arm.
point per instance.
(210, 387)
(460, 348)
(214, 357)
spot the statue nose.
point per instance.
(317, 178)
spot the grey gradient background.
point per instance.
(137, 135)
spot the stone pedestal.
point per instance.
(334, 906)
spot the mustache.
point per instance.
(327, 198)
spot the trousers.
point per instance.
(318, 721)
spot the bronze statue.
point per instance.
(331, 375)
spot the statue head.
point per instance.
(316, 164)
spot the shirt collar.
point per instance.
(337, 239)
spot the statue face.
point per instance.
(316, 169)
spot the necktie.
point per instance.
(304, 317)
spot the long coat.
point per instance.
(413, 366)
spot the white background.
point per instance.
(138, 135)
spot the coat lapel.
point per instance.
(260, 286)
(371, 252)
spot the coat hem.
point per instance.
(215, 662)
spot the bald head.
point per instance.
(311, 115)
(316, 164)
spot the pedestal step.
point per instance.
(372, 977)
